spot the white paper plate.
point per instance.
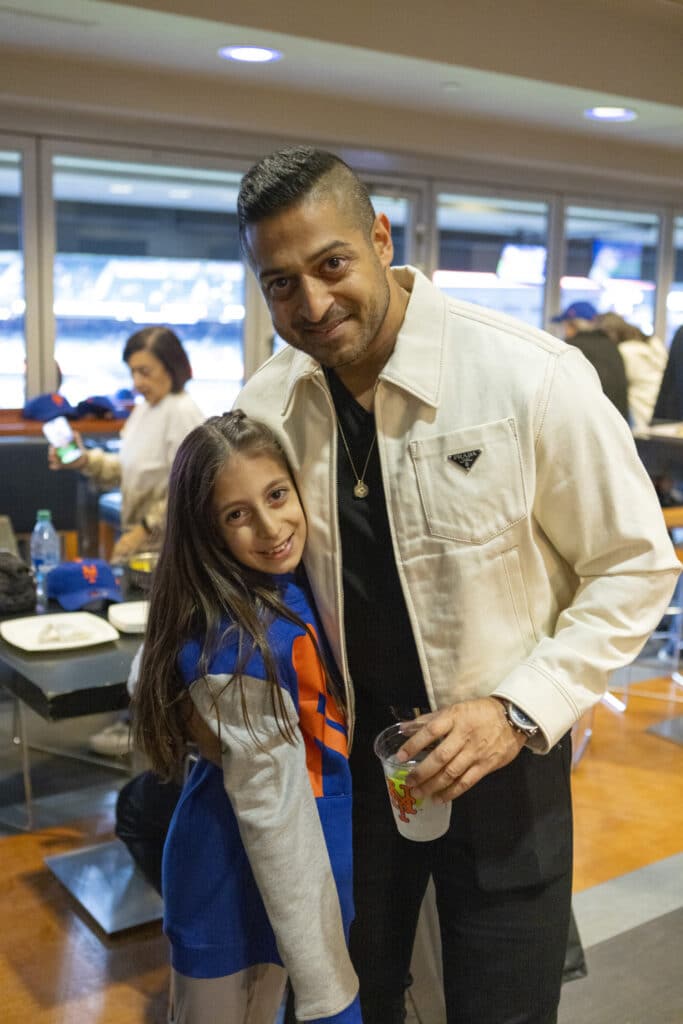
(61, 632)
(129, 616)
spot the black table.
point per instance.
(660, 451)
(66, 684)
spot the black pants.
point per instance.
(502, 875)
(144, 809)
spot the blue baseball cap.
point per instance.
(46, 407)
(577, 311)
(106, 406)
(76, 584)
(97, 405)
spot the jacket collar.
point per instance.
(415, 364)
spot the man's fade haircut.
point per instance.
(287, 177)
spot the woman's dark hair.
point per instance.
(200, 591)
(165, 344)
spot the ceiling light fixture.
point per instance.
(610, 114)
(249, 54)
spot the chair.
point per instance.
(8, 541)
(23, 461)
(108, 522)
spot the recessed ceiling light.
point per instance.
(120, 189)
(610, 114)
(249, 54)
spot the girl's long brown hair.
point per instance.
(198, 587)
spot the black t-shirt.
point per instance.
(381, 649)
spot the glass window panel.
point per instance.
(492, 251)
(611, 261)
(674, 300)
(139, 245)
(12, 302)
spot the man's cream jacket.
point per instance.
(528, 539)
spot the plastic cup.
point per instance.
(419, 819)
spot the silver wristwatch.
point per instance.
(519, 720)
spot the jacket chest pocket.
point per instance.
(471, 482)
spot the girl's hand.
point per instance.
(80, 463)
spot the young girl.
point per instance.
(257, 862)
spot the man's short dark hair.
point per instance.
(289, 176)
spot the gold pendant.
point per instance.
(360, 490)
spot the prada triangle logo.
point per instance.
(465, 459)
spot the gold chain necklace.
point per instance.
(360, 489)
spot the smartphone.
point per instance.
(61, 437)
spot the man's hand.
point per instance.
(474, 738)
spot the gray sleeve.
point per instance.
(268, 786)
(103, 467)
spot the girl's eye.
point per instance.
(233, 516)
(278, 494)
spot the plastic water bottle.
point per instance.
(45, 554)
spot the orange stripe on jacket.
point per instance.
(316, 731)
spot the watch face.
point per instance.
(521, 719)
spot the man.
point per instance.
(600, 351)
(484, 547)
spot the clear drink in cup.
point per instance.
(419, 819)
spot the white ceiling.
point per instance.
(533, 63)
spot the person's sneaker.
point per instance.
(112, 741)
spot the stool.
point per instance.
(108, 522)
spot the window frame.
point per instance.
(51, 148)
(29, 227)
(665, 258)
(555, 224)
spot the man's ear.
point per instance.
(381, 239)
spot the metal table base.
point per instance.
(106, 882)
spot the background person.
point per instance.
(669, 404)
(257, 867)
(483, 544)
(150, 437)
(645, 357)
(580, 331)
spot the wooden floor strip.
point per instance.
(57, 968)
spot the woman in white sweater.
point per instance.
(644, 357)
(149, 439)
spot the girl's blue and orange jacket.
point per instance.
(257, 863)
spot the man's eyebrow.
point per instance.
(337, 243)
